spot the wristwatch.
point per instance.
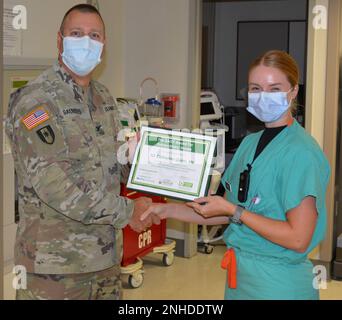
(237, 215)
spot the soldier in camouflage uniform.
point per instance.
(63, 132)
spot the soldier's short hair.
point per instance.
(83, 7)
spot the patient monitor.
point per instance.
(212, 123)
(211, 110)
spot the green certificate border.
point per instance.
(201, 144)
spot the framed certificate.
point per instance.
(172, 163)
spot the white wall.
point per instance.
(316, 77)
(43, 20)
(110, 71)
(147, 38)
(316, 87)
(227, 16)
(156, 45)
(208, 21)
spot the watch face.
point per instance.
(237, 214)
(236, 221)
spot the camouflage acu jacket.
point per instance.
(64, 147)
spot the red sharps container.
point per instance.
(171, 105)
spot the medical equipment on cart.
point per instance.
(151, 109)
(210, 234)
(211, 110)
(128, 112)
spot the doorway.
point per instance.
(234, 33)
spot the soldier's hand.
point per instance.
(140, 206)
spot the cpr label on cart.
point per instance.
(145, 239)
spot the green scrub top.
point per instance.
(291, 167)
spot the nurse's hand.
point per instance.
(212, 206)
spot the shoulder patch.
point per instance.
(35, 118)
(46, 134)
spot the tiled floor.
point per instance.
(200, 277)
(197, 278)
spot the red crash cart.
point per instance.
(136, 245)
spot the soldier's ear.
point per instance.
(59, 42)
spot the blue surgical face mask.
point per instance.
(81, 55)
(268, 106)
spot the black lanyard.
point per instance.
(268, 135)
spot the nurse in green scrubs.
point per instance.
(280, 215)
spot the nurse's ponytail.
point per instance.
(282, 61)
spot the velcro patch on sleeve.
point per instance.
(35, 118)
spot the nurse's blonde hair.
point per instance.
(282, 61)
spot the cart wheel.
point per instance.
(168, 259)
(135, 281)
(208, 249)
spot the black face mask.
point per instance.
(244, 184)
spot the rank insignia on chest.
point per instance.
(47, 135)
(99, 130)
(35, 118)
